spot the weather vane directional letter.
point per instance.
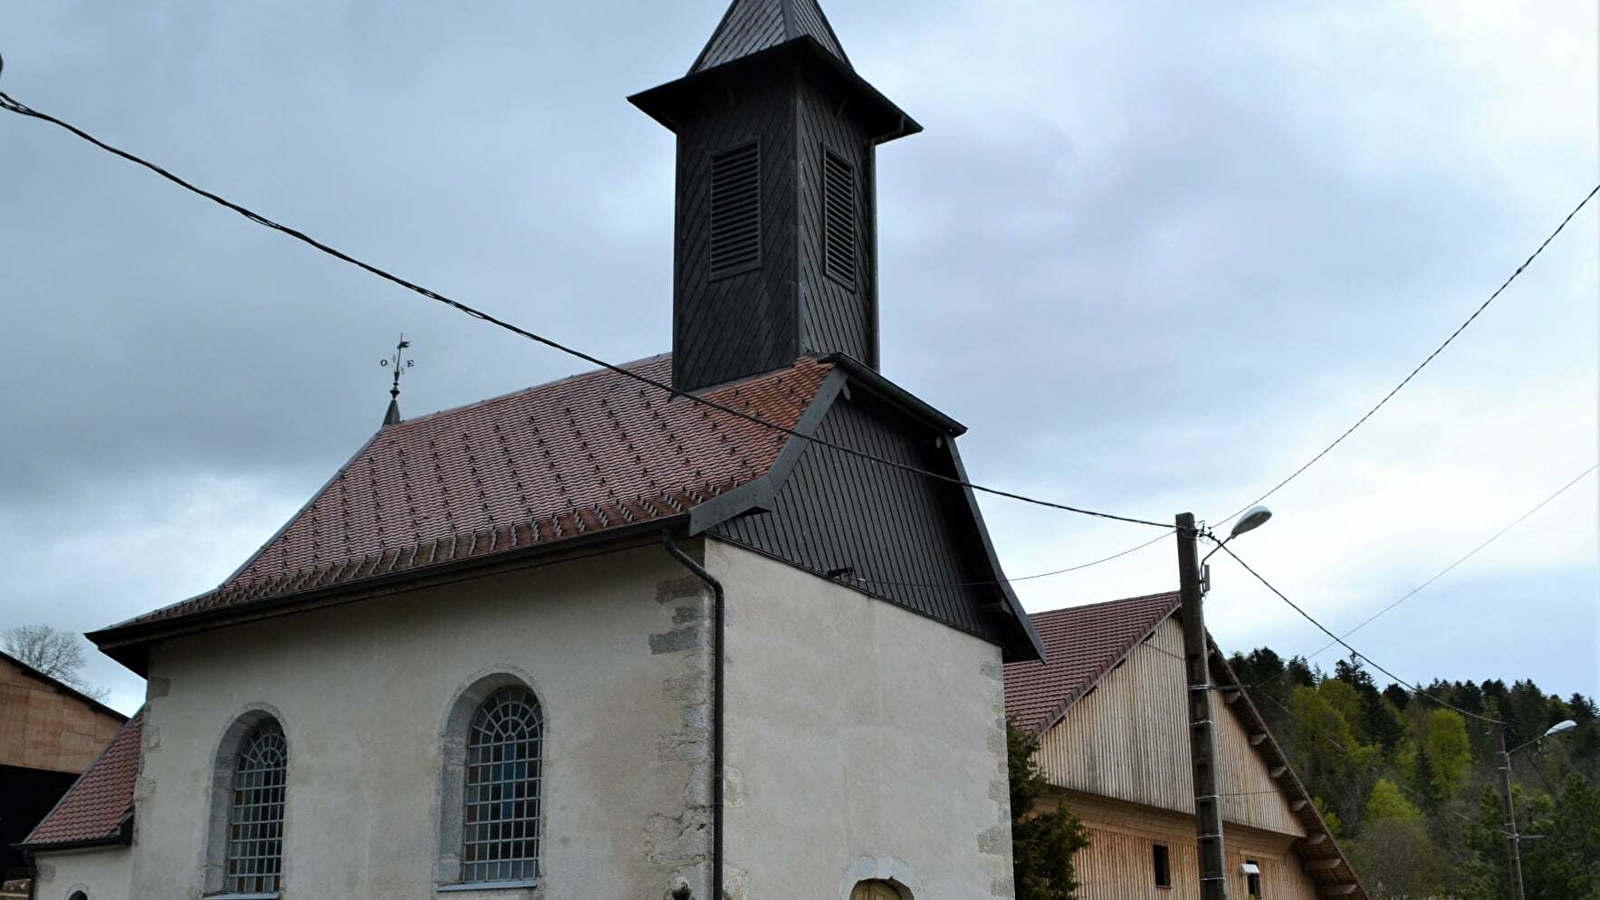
(399, 363)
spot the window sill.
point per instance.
(488, 886)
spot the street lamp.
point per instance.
(1514, 840)
(1197, 672)
(1253, 518)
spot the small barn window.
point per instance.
(1163, 866)
(500, 827)
(736, 210)
(839, 218)
(1252, 878)
(255, 820)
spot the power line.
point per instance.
(1019, 578)
(1447, 569)
(1422, 365)
(12, 105)
(1357, 653)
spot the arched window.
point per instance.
(500, 815)
(78, 895)
(875, 890)
(255, 812)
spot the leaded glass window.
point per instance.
(500, 831)
(255, 819)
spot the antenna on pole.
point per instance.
(400, 364)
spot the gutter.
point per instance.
(717, 690)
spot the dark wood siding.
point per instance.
(748, 323)
(891, 527)
(835, 317)
(762, 319)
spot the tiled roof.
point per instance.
(570, 458)
(1081, 645)
(98, 803)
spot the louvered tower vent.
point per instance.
(775, 251)
(735, 241)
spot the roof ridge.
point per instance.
(543, 385)
(1102, 603)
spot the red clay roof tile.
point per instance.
(1081, 645)
(96, 805)
(573, 457)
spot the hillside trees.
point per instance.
(1411, 783)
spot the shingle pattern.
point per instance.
(571, 458)
(94, 808)
(1081, 645)
(751, 26)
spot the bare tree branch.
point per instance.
(56, 653)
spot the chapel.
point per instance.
(719, 623)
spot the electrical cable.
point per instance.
(1357, 653)
(1422, 365)
(1418, 590)
(1019, 578)
(12, 105)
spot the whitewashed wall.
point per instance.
(866, 741)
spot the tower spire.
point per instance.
(776, 251)
(751, 26)
(400, 364)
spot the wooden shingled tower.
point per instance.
(776, 226)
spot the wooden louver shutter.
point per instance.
(736, 210)
(839, 217)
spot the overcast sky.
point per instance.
(1155, 255)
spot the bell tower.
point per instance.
(775, 250)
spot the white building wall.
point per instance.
(614, 646)
(864, 741)
(101, 873)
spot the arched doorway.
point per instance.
(876, 890)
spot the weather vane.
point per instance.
(400, 364)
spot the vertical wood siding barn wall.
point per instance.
(45, 727)
(1128, 739)
(1118, 865)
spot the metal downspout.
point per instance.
(716, 706)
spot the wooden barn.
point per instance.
(1107, 706)
(49, 734)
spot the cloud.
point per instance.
(1156, 255)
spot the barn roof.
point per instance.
(1084, 644)
(98, 808)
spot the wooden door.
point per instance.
(874, 890)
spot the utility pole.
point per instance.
(1202, 743)
(1513, 840)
